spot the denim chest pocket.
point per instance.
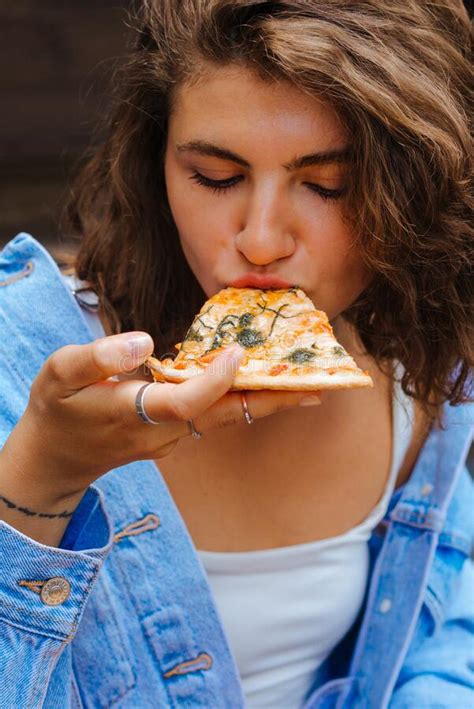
(102, 658)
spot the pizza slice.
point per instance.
(290, 344)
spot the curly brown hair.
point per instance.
(398, 73)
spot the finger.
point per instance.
(74, 367)
(206, 397)
(191, 398)
(215, 407)
(230, 409)
(227, 411)
(114, 404)
(181, 402)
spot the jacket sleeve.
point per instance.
(43, 592)
(439, 668)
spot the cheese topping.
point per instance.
(281, 330)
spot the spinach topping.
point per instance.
(339, 351)
(234, 328)
(239, 332)
(200, 318)
(222, 335)
(250, 338)
(300, 356)
(278, 314)
(193, 335)
(245, 319)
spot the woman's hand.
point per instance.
(80, 422)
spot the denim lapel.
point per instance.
(401, 570)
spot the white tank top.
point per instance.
(285, 609)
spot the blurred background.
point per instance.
(56, 58)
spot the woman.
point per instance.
(319, 556)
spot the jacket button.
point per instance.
(55, 591)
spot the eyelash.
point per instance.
(219, 186)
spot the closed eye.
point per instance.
(219, 186)
(324, 192)
(216, 185)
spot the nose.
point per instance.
(266, 232)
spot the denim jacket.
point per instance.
(134, 623)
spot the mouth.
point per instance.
(254, 280)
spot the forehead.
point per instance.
(234, 101)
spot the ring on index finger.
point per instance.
(140, 404)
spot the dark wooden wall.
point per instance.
(55, 58)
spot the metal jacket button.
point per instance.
(55, 591)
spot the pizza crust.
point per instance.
(299, 381)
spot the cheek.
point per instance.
(343, 265)
(198, 228)
(199, 225)
(339, 272)
(330, 239)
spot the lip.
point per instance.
(254, 280)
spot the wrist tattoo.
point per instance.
(31, 513)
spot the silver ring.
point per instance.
(247, 414)
(140, 403)
(194, 433)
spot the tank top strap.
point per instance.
(402, 430)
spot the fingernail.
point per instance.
(126, 343)
(312, 400)
(229, 360)
(233, 353)
(139, 344)
(236, 349)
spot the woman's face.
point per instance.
(246, 202)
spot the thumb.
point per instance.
(74, 367)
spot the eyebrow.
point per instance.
(202, 147)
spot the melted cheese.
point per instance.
(290, 335)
